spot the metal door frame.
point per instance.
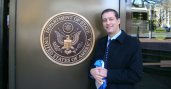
(12, 43)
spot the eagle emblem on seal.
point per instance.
(68, 41)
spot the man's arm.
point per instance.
(131, 74)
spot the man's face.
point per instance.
(110, 23)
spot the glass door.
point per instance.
(149, 21)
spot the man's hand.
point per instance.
(98, 73)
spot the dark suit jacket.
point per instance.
(124, 62)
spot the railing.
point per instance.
(159, 58)
(162, 63)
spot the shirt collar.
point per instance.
(120, 36)
(115, 36)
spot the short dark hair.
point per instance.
(110, 10)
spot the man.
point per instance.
(122, 56)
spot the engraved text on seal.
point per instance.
(67, 38)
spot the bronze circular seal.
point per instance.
(67, 38)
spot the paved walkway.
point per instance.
(155, 40)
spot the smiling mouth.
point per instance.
(109, 27)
